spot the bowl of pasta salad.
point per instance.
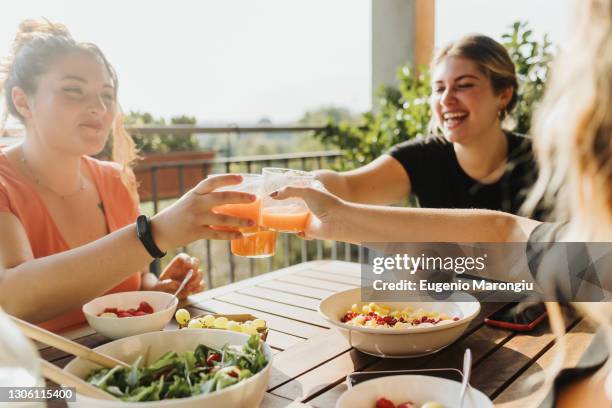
(399, 329)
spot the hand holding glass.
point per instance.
(290, 215)
(251, 183)
(256, 243)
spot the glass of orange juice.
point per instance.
(251, 183)
(262, 244)
(289, 215)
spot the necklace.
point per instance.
(43, 185)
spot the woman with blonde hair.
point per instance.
(573, 145)
(469, 160)
(574, 150)
(68, 221)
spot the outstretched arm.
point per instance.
(43, 288)
(356, 223)
(383, 181)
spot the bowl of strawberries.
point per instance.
(411, 391)
(126, 314)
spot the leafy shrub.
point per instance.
(162, 142)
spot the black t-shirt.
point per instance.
(438, 181)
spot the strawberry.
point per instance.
(384, 403)
(145, 307)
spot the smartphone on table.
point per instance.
(521, 316)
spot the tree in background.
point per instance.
(324, 113)
(404, 112)
(162, 142)
(158, 142)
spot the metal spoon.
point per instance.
(467, 368)
(181, 286)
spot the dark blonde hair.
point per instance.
(36, 46)
(573, 146)
(573, 125)
(492, 60)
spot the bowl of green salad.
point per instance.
(180, 368)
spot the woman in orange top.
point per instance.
(67, 220)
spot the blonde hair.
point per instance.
(491, 58)
(36, 46)
(573, 145)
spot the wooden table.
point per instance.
(311, 360)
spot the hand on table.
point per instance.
(172, 276)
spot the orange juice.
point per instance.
(259, 245)
(249, 211)
(288, 218)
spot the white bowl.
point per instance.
(416, 388)
(116, 328)
(247, 393)
(401, 343)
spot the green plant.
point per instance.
(532, 61)
(404, 112)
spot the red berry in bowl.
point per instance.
(384, 403)
(145, 307)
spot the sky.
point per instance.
(238, 61)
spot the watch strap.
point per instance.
(145, 235)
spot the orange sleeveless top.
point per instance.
(18, 197)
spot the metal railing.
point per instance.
(220, 265)
(189, 129)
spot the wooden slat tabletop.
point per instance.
(311, 360)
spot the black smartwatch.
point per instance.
(143, 230)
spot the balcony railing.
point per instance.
(220, 265)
